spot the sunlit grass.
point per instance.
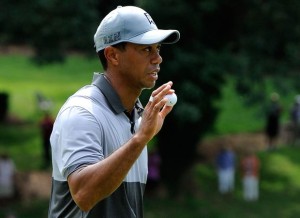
(22, 79)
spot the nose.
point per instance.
(157, 59)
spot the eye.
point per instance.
(158, 48)
(148, 49)
(151, 49)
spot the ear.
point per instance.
(111, 55)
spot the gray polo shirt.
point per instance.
(89, 127)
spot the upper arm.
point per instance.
(77, 142)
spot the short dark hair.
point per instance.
(121, 46)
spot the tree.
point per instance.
(249, 40)
(51, 27)
(268, 46)
(59, 26)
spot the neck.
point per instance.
(127, 95)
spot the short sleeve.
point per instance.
(76, 140)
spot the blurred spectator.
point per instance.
(43, 103)
(295, 118)
(250, 165)
(7, 178)
(46, 125)
(225, 161)
(273, 120)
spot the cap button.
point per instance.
(119, 6)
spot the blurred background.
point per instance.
(230, 146)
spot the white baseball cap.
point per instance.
(131, 24)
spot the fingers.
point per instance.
(157, 96)
(165, 111)
(157, 101)
(166, 86)
(155, 111)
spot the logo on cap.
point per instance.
(112, 38)
(149, 18)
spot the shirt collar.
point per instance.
(112, 96)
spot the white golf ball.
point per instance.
(172, 99)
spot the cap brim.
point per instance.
(156, 36)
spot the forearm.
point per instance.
(93, 183)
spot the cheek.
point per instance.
(135, 63)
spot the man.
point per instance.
(99, 140)
(273, 120)
(250, 166)
(46, 125)
(226, 169)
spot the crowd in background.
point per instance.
(249, 165)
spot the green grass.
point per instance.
(22, 79)
(280, 173)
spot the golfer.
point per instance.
(99, 137)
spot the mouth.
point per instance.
(154, 74)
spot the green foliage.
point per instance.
(50, 26)
(281, 171)
(267, 46)
(63, 25)
(234, 115)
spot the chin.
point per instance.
(150, 86)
